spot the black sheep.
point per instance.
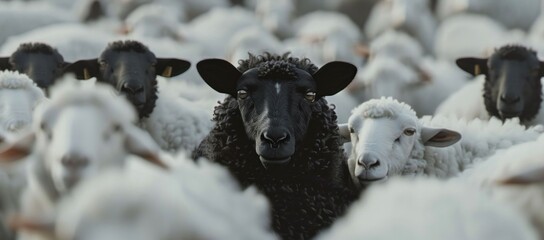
(512, 81)
(39, 61)
(276, 131)
(131, 68)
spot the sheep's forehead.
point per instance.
(83, 114)
(387, 108)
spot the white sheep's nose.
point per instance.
(74, 161)
(368, 161)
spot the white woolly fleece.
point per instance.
(428, 209)
(195, 201)
(528, 198)
(176, 123)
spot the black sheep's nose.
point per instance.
(131, 88)
(509, 99)
(74, 161)
(275, 137)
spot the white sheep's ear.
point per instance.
(439, 137)
(43, 226)
(19, 148)
(140, 143)
(343, 130)
(535, 175)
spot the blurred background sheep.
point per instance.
(408, 50)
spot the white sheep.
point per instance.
(472, 35)
(17, 18)
(388, 139)
(254, 40)
(275, 15)
(70, 39)
(197, 201)
(19, 96)
(76, 135)
(213, 42)
(514, 176)
(412, 17)
(429, 209)
(156, 20)
(513, 14)
(423, 86)
(329, 36)
(398, 45)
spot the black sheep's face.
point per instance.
(512, 87)
(275, 112)
(131, 73)
(42, 68)
(276, 106)
(512, 84)
(131, 68)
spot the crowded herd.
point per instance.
(271, 119)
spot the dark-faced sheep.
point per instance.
(512, 87)
(132, 69)
(276, 131)
(39, 61)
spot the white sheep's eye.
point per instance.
(351, 130)
(242, 94)
(409, 131)
(310, 96)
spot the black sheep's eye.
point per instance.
(242, 94)
(310, 96)
(409, 131)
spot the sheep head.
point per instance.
(275, 99)
(131, 68)
(385, 134)
(80, 133)
(512, 87)
(42, 63)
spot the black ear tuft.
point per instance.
(84, 69)
(4, 63)
(333, 77)
(474, 66)
(219, 74)
(171, 67)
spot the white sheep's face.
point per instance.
(381, 147)
(16, 106)
(79, 141)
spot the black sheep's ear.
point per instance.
(474, 66)
(84, 69)
(219, 74)
(333, 77)
(4, 63)
(171, 67)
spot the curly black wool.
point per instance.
(310, 192)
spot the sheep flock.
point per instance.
(271, 119)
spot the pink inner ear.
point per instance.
(13, 153)
(154, 159)
(21, 223)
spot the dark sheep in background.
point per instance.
(39, 61)
(132, 69)
(512, 85)
(276, 131)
